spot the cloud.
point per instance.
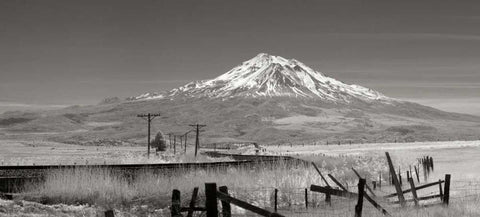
(409, 36)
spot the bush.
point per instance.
(159, 142)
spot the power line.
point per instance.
(148, 117)
(197, 142)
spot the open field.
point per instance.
(37, 152)
(459, 158)
(149, 194)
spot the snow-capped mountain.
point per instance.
(271, 76)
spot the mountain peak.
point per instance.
(267, 75)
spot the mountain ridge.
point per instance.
(267, 75)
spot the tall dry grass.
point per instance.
(112, 189)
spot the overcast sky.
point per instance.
(77, 52)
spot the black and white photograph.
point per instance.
(239, 108)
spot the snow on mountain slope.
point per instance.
(271, 76)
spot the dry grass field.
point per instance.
(149, 194)
(39, 152)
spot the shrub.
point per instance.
(159, 142)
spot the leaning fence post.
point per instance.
(226, 209)
(414, 192)
(176, 204)
(211, 199)
(416, 172)
(446, 192)
(192, 202)
(398, 188)
(361, 190)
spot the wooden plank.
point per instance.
(446, 192)
(323, 178)
(421, 198)
(176, 204)
(226, 198)
(192, 202)
(226, 209)
(337, 182)
(331, 191)
(414, 192)
(211, 199)
(401, 198)
(366, 185)
(361, 190)
(416, 188)
(194, 209)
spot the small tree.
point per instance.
(159, 142)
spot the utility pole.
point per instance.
(197, 142)
(148, 117)
(174, 144)
(186, 136)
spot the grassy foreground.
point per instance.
(152, 191)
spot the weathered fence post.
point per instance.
(424, 171)
(400, 176)
(440, 189)
(192, 202)
(361, 190)
(276, 198)
(211, 199)
(176, 204)
(416, 172)
(446, 192)
(431, 163)
(410, 169)
(398, 188)
(380, 180)
(109, 213)
(226, 209)
(414, 192)
(328, 197)
(306, 198)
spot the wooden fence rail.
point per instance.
(416, 188)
